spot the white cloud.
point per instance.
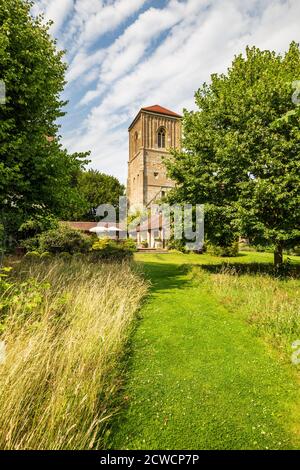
(54, 11)
(133, 44)
(163, 57)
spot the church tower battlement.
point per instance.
(152, 133)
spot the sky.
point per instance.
(127, 54)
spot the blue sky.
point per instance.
(126, 54)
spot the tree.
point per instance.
(35, 171)
(242, 149)
(96, 188)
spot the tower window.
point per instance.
(156, 175)
(161, 138)
(136, 138)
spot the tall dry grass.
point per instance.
(270, 304)
(65, 334)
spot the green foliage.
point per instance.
(95, 188)
(38, 224)
(12, 293)
(35, 172)
(46, 255)
(242, 151)
(33, 227)
(4, 282)
(30, 244)
(130, 245)
(224, 251)
(106, 248)
(64, 240)
(2, 242)
(178, 245)
(33, 256)
(1, 233)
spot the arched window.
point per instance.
(161, 138)
(136, 138)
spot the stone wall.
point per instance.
(147, 176)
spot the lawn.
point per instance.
(204, 372)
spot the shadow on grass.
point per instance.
(166, 276)
(285, 271)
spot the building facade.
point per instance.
(152, 133)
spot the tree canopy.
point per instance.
(241, 151)
(36, 173)
(96, 188)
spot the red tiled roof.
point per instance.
(160, 110)
(152, 223)
(156, 109)
(86, 226)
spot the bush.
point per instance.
(64, 240)
(46, 255)
(31, 244)
(224, 251)
(112, 250)
(36, 225)
(295, 251)
(264, 248)
(130, 245)
(177, 245)
(33, 255)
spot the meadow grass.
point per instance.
(248, 287)
(65, 329)
(200, 376)
(271, 305)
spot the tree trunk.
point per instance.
(278, 255)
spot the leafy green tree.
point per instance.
(96, 188)
(241, 152)
(36, 173)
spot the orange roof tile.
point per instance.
(160, 110)
(155, 109)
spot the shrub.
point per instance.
(264, 248)
(177, 245)
(46, 255)
(295, 251)
(130, 245)
(33, 255)
(106, 248)
(224, 251)
(145, 244)
(64, 240)
(30, 244)
(37, 225)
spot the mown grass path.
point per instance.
(199, 377)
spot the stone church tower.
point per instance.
(154, 130)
